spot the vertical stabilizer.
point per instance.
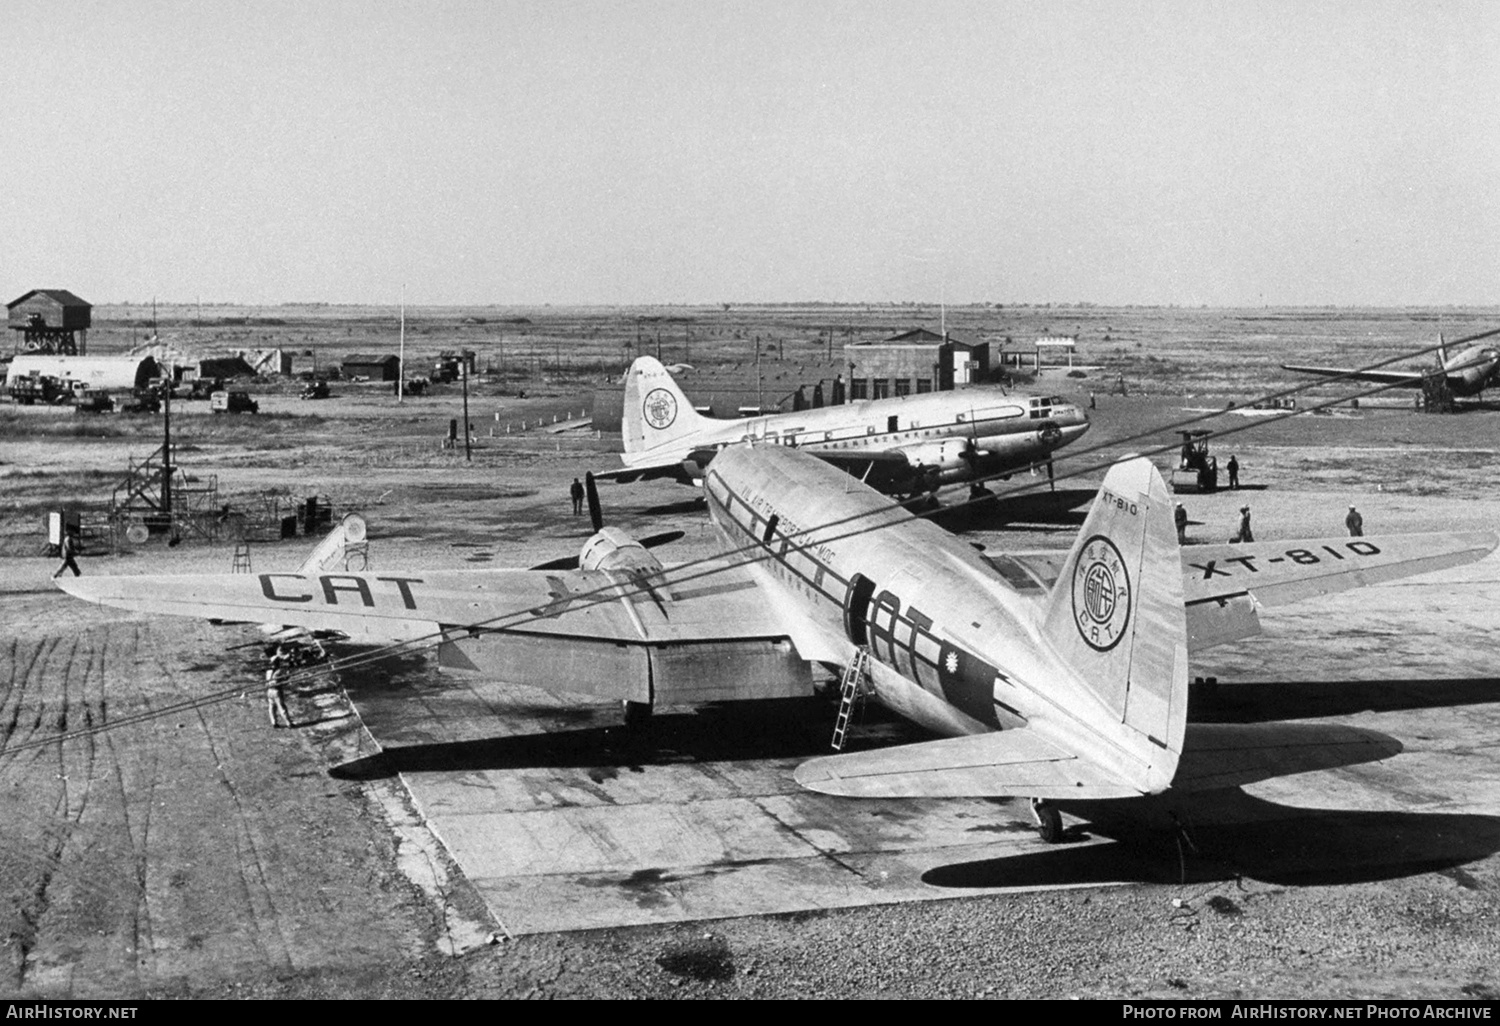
(1116, 616)
(1442, 351)
(656, 412)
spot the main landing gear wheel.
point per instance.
(637, 716)
(1049, 825)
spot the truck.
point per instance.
(1196, 470)
(233, 402)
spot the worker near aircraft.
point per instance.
(68, 549)
(577, 492)
(1244, 534)
(1355, 523)
(1234, 471)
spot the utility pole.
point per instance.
(760, 401)
(468, 454)
(401, 360)
(166, 445)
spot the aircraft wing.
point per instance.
(710, 634)
(1219, 755)
(1019, 763)
(1408, 379)
(626, 475)
(1224, 585)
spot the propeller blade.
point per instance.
(596, 515)
(654, 540)
(562, 563)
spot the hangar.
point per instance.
(914, 362)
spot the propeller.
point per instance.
(596, 513)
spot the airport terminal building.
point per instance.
(914, 362)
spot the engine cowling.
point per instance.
(612, 549)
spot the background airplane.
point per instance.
(904, 445)
(1068, 682)
(1468, 372)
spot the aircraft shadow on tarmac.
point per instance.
(1063, 508)
(592, 738)
(697, 504)
(1296, 700)
(1238, 835)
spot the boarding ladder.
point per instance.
(852, 693)
(242, 557)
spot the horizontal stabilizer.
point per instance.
(1219, 755)
(1282, 572)
(1015, 763)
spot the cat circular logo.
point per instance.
(1101, 594)
(660, 408)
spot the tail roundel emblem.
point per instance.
(660, 408)
(1101, 594)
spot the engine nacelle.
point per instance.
(612, 549)
(948, 454)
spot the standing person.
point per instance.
(1234, 472)
(1245, 534)
(1180, 515)
(577, 492)
(1355, 523)
(1091, 400)
(68, 549)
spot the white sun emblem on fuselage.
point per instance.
(952, 662)
(1101, 594)
(660, 408)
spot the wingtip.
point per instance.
(817, 775)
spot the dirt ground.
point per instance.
(180, 847)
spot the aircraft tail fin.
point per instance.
(1442, 351)
(656, 412)
(1115, 616)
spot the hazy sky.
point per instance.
(637, 152)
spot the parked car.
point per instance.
(233, 402)
(316, 389)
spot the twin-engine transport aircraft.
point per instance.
(901, 446)
(1051, 681)
(1469, 371)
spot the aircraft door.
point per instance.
(857, 609)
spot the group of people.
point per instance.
(1353, 522)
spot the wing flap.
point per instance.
(1004, 763)
(1220, 755)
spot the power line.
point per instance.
(724, 561)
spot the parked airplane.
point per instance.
(904, 446)
(1469, 371)
(1051, 680)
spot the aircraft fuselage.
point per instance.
(957, 649)
(953, 436)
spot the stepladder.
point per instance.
(851, 694)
